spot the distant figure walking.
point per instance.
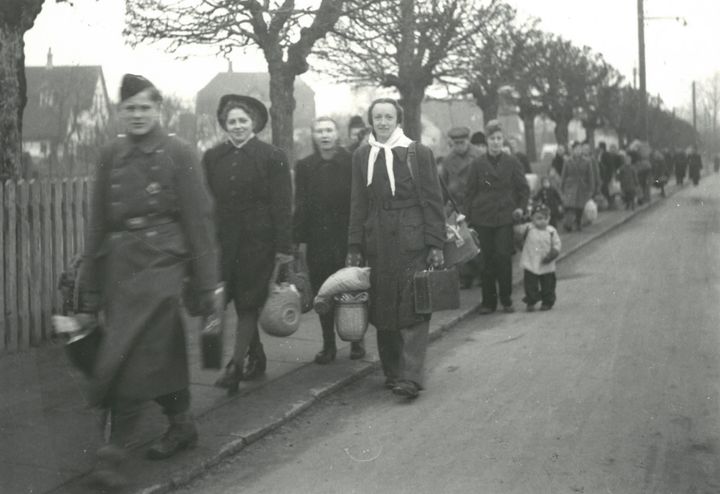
(695, 165)
(577, 185)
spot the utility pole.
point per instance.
(641, 63)
(694, 108)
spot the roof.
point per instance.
(255, 84)
(53, 93)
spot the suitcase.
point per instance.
(211, 333)
(436, 290)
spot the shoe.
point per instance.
(105, 473)
(325, 356)
(256, 365)
(357, 350)
(231, 377)
(531, 307)
(545, 307)
(485, 310)
(390, 382)
(407, 389)
(508, 309)
(181, 434)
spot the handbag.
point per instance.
(435, 290)
(82, 341)
(280, 316)
(462, 243)
(299, 275)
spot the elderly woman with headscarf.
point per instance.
(250, 181)
(322, 213)
(398, 234)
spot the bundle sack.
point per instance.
(590, 212)
(349, 279)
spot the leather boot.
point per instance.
(257, 363)
(181, 434)
(106, 471)
(357, 350)
(326, 355)
(231, 377)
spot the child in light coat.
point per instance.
(541, 248)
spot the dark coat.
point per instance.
(322, 212)
(627, 176)
(395, 233)
(680, 163)
(455, 172)
(577, 184)
(253, 198)
(551, 198)
(494, 192)
(694, 165)
(138, 273)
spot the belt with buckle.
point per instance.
(142, 222)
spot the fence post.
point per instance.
(48, 280)
(24, 265)
(57, 236)
(3, 323)
(36, 278)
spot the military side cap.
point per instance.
(478, 138)
(459, 133)
(133, 84)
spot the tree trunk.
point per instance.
(561, 131)
(282, 107)
(411, 101)
(12, 98)
(530, 146)
(590, 134)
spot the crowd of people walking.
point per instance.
(160, 216)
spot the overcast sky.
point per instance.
(90, 33)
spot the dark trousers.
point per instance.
(539, 287)
(496, 245)
(402, 352)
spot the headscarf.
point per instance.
(396, 139)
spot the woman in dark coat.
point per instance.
(694, 165)
(577, 186)
(398, 235)
(496, 196)
(150, 221)
(322, 214)
(250, 181)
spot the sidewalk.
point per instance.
(48, 436)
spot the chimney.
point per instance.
(230, 69)
(49, 59)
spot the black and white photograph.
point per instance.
(359, 247)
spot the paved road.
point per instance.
(614, 391)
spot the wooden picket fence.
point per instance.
(42, 228)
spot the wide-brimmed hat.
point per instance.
(255, 105)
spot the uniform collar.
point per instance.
(147, 143)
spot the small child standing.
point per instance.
(542, 246)
(629, 183)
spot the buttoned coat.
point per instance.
(138, 273)
(577, 182)
(322, 211)
(395, 232)
(253, 202)
(455, 173)
(494, 192)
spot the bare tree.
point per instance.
(710, 100)
(408, 45)
(283, 30)
(16, 18)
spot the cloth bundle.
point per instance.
(349, 279)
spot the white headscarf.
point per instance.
(396, 139)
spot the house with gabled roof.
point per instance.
(66, 118)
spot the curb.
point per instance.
(234, 447)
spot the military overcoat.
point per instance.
(150, 227)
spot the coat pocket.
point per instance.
(412, 230)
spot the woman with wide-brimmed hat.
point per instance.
(250, 181)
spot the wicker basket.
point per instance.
(351, 320)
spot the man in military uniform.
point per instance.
(150, 226)
(455, 169)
